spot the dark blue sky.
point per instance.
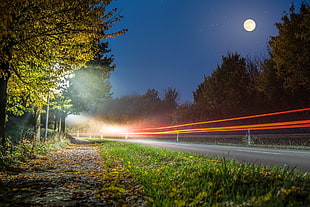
(174, 43)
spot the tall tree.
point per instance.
(90, 85)
(289, 63)
(226, 92)
(170, 99)
(152, 104)
(35, 35)
(169, 105)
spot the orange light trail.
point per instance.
(223, 120)
(276, 125)
(264, 126)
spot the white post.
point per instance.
(47, 114)
(249, 137)
(177, 136)
(126, 135)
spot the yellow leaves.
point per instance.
(41, 34)
(174, 192)
(260, 200)
(179, 203)
(21, 189)
(282, 193)
(72, 185)
(71, 174)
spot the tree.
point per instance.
(36, 35)
(90, 85)
(289, 64)
(183, 114)
(226, 92)
(144, 110)
(271, 86)
(170, 99)
(169, 105)
(151, 103)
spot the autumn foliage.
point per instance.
(41, 41)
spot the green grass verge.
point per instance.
(171, 178)
(297, 147)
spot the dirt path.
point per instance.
(74, 176)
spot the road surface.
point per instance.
(287, 158)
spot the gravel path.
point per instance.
(73, 176)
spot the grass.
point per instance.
(275, 146)
(171, 178)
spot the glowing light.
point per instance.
(223, 120)
(249, 25)
(114, 130)
(276, 125)
(122, 131)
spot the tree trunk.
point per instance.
(37, 129)
(59, 123)
(3, 100)
(63, 123)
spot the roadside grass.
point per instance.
(244, 144)
(171, 178)
(295, 147)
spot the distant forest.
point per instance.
(238, 86)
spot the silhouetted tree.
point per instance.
(147, 109)
(170, 99)
(183, 114)
(287, 73)
(152, 104)
(226, 92)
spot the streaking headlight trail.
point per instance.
(188, 128)
(178, 128)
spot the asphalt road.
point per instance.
(287, 158)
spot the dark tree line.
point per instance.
(228, 91)
(146, 109)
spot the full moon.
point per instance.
(249, 25)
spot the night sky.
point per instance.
(174, 43)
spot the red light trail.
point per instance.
(174, 129)
(276, 125)
(224, 120)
